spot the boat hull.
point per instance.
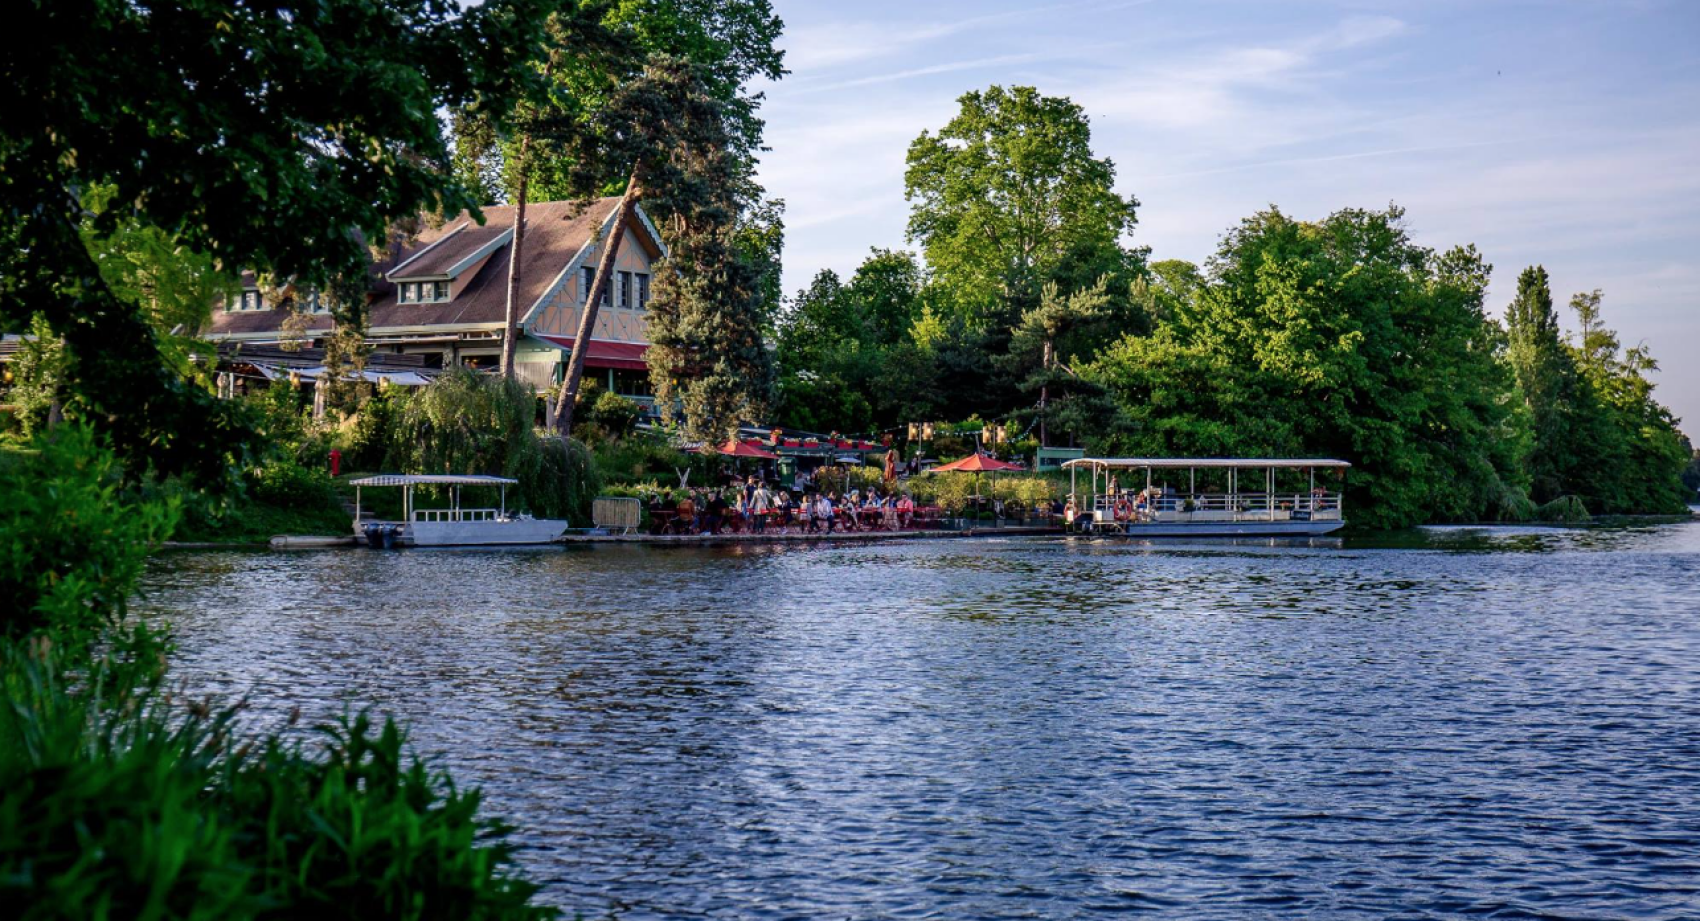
(1222, 529)
(497, 533)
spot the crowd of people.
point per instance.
(757, 507)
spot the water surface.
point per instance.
(1450, 722)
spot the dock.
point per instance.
(836, 537)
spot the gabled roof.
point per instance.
(557, 234)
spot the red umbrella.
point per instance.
(736, 448)
(976, 463)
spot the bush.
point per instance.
(1564, 510)
(116, 804)
(470, 422)
(647, 457)
(73, 539)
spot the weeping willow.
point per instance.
(469, 422)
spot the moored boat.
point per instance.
(454, 526)
(1170, 503)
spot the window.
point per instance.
(643, 290)
(439, 291)
(626, 291)
(586, 278)
(405, 293)
(311, 301)
(251, 300)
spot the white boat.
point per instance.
(1170, 503)
(453, 526)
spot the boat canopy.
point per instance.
(1186, 462)
(432, 479)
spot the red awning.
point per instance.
(603, 353)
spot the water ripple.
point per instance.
(1498, 723)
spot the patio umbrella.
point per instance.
(736, 448)
(978, 463)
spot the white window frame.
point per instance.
(625, 301)
(440, 291)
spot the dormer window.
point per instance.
(422, 292)
(251, 300)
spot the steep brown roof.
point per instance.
(555, 231)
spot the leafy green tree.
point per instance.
(674, 139)
(1547, 383)
(1632, 454)
(1336, 338)
(1009, 196)
(234, 130)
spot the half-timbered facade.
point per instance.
(443, 296)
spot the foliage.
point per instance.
(367, 435)
(114, 803)
(37, 374)
(469, 422)
(1340, 338)
(952, 491)
(1009, 197)
(118, 801)
(236, 135)
(845, 358)
(73, 536)
(1597, 433)
(611, 417)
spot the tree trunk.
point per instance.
(510, 324)
(1045, 392)
(563, 421)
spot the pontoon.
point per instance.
(452, 526)
(1170, 502)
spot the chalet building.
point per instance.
(443, 297)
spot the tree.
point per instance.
(1008, 197)
(1546, 379)
(589, 51)
(672, 139)
(1034, 345)
(236, 133)
(1337, 338)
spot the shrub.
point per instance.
(470, 422)
(1564, 510)
(116, 804)
(73, 539)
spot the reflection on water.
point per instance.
(1449, 721)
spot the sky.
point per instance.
(1563, 133)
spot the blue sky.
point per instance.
(1563, 133)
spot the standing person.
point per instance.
(761, 502)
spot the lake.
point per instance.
(1444, 722)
